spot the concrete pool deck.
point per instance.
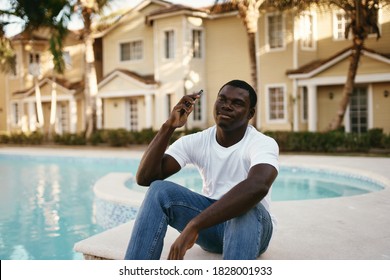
(346, 228)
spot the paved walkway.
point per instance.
(356, 227)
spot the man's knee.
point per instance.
(161, 189)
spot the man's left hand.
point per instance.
(184, 242)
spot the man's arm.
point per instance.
(155, 164)
(240, 199)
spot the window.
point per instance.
(307, 31)
(275, 31)
(67, 59)
(169, 103)
(133, 115)
(15, 113)
(276, 103)
(374, 19)
(34, 64)
(304, 104)
(358, 110)
(197, 43)
(63, 124)
(169, 51)
(340, 22)
(197, 113)
(131, 51)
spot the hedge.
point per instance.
(333, 141)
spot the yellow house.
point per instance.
(157, 52)
(152, 56)
(34, 72)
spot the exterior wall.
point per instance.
(272, 71)
(381, 45)
(380, 107)
(227, 57)
(131, 29)
(114, 112)
(327, 45)
(75, 72)
(196, 71)
(327, 107)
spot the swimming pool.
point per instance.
(47, 203)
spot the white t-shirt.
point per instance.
(222, 168)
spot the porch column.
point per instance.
(312, 107)
(99, 113)
(148, 111)
(73, 115)
(32, 116)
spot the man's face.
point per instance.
(232, 108)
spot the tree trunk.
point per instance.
(253, 66)
(38, 103)
(90, 87)
(349, 85)
(53, 109)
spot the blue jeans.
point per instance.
(166, 203)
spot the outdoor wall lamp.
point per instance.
(331, 95)
(386, 93)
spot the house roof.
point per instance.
(178, 9)
(315, 66)
(109, 22)
(146, 79)
(26, 36)
(175, 8)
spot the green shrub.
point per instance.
(18, 138)
(144, 136)
(117, 137)
(35, 138)
(97, 137)
(375, 137)
(386, 141)
(4, 139)
(70, 139)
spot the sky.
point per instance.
(116, 4)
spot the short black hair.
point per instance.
(244, 85)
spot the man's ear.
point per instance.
(251, 113)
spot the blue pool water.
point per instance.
(47, 203)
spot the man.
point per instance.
(238, 165)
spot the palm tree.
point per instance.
(88, 9)
(364, 16)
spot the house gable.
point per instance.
(371, 64)
(63, 88)
(122, 83)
